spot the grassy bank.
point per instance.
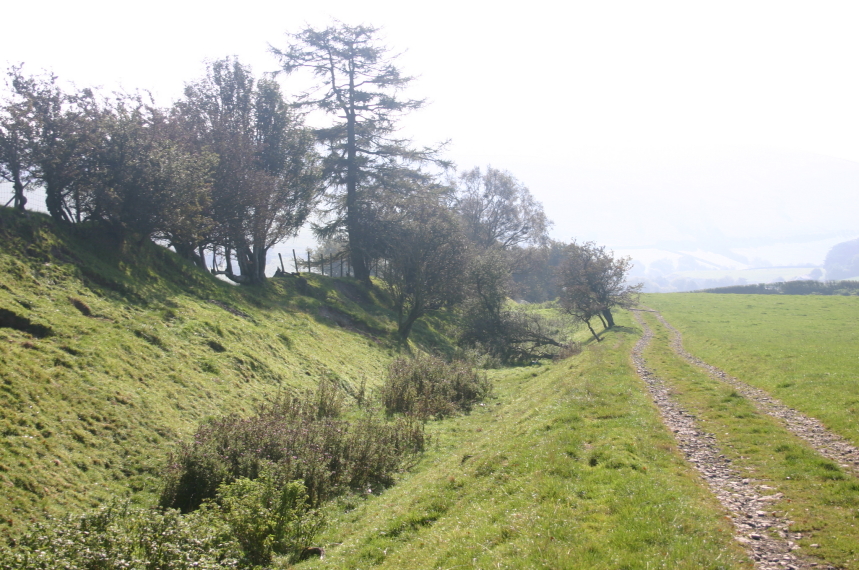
(109, 355)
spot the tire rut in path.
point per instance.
(764, 534)
(825, 442)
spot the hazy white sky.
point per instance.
(579, 100)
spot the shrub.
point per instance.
(293, 436)
(267, 515)
(120, 535)
(568, 350)
(428, 386)
(511, 335)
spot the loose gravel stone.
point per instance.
(766, 535)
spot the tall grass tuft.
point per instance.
(427, 386)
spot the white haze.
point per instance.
(718, 128)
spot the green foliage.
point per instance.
(295, 438)
(269, 516)
(426, 386)
(121, 535)
(592, 282)
(425, 261)
(499, 211)
(490, 324)
(266, 180)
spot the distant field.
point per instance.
(801, 349)
(759, 275)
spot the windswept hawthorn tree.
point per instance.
(592, 282)
(425, 258)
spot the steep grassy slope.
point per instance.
(109, 355)
(801, 349)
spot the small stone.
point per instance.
(755, 536)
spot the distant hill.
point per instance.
(842, 261)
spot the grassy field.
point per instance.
(569, 467)
(818, 496)
(801, 349)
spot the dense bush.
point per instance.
(268, 516)
(124, 536)
(428, 386)
(250, 522)
(296, 438)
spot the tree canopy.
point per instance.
(592, 282)
(497, 209)
(359, 84)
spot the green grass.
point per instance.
(569, 467)
(109, 356)
(801, 349)
(821, 499)
(90, 405)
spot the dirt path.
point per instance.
(766, 536)
(825, 442)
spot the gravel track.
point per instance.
(767, 536)
(825, 442)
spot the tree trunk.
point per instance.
(20, 199)
(189, 252)
(356, 240)
(405, 327)
(608, 317)
(54, 202)
(593, 332)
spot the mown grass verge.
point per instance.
(568, 466)
(819, 497)
(800, 349)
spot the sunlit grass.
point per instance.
(801, 349)
(820, 498)
(569, 467)
(141, 348)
